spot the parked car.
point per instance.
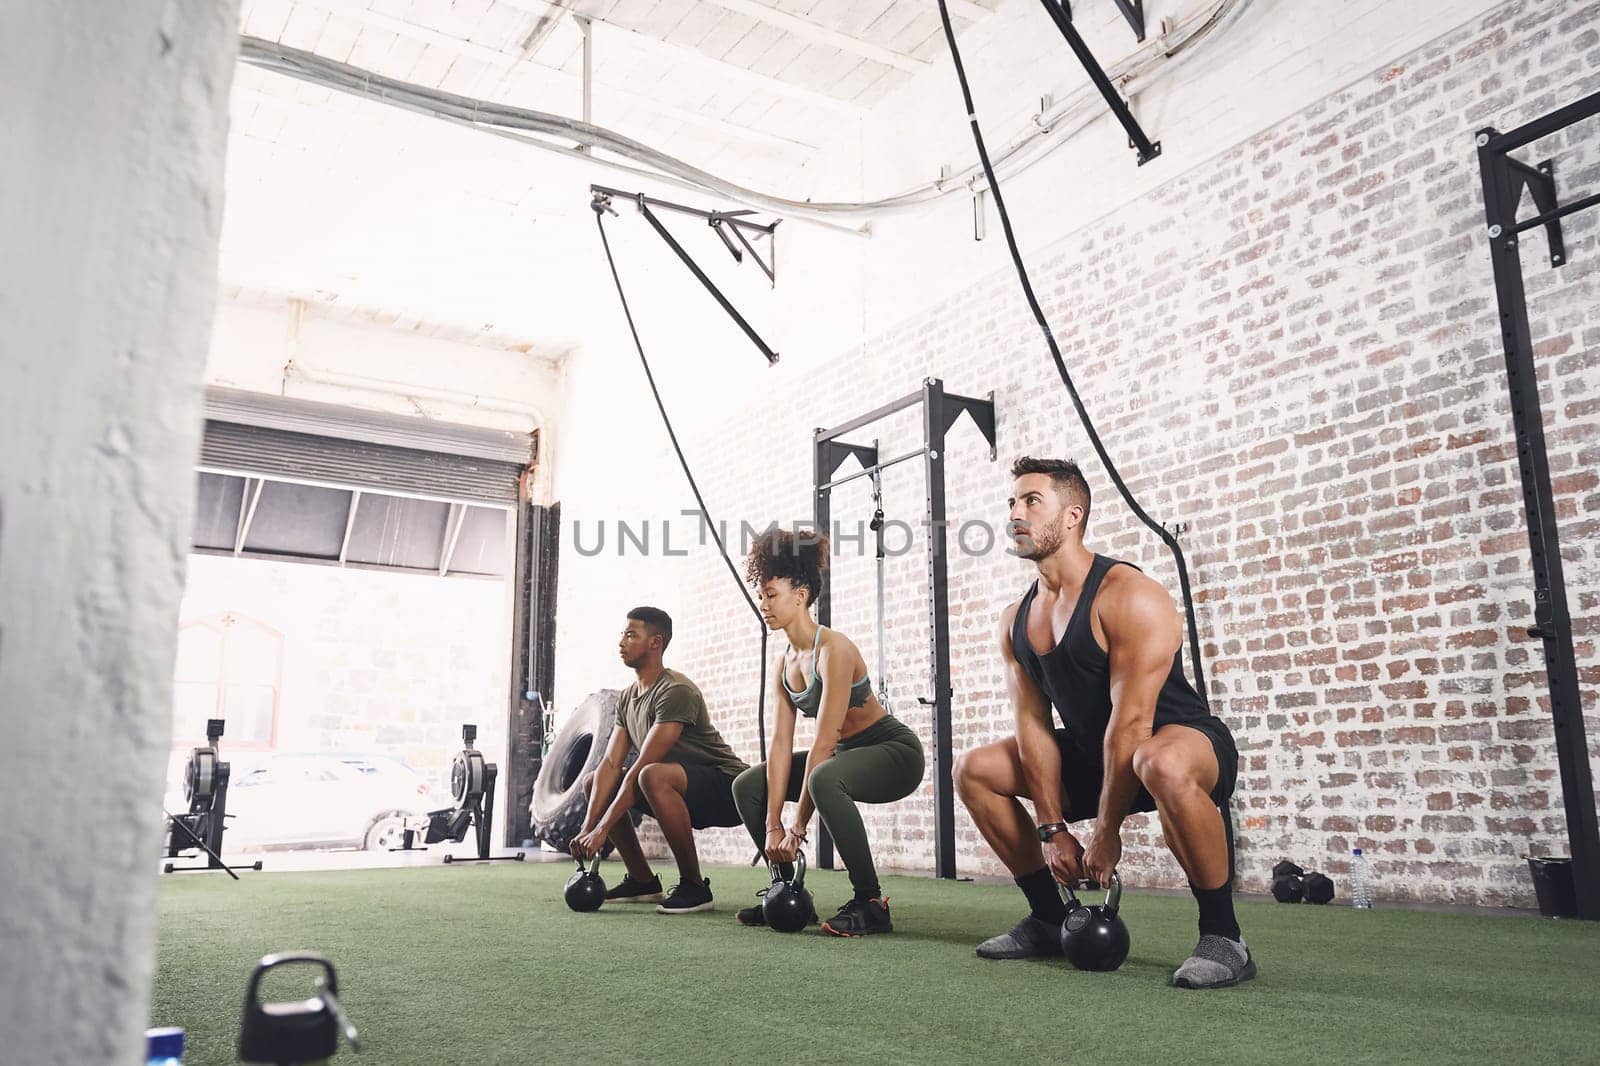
(319, 800)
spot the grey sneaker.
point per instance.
(1217, 962)
(1030, 938)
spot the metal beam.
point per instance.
(1558, 213)
(1544, 126)
(871, 416)
(587, 27)
(820, 34)
(349, 524)
(247, 513)
(736, 218)
(677, 54)
(769, 269)
(332, 483)
(822, 515)
(934, 424)
(875, 468)
(455, 518)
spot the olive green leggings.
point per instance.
(880, 764)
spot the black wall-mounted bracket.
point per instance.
(744, 235)
(1540, 183)
(1061, 15)
(1133, 11)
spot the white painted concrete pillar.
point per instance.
(114, 121)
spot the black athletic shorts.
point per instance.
(1083, 772)
(709, 797)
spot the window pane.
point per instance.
(299, 520)
(199, 654)
(249, 711)
(192, 704)
(253, 655)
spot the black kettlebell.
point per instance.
(585, 891)
(296, 1031)
(786, 906)
(1094, 937)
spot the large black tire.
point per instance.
(558, 804)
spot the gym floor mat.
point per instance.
(487, 965)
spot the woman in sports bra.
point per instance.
(860, 753)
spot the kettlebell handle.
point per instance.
(1113, 895)
(799, 869)
(272, 962)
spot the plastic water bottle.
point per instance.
(163, 1047)
(1360, 881)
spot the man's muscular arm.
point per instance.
(1041, 759)
(1142, 635)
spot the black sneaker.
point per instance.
(1030, 938)
(756, 916)
(630, 891)
(687, 897)
(860, 918)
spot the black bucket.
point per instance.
(1553, 885)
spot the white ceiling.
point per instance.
(375, 212)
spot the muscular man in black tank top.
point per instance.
(1100, 642)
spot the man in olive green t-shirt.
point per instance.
(683, 777)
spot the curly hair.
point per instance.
(799, 557)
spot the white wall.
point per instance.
(115, 120)
(1278, 59)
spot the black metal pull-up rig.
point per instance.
(940, 411)
(1504, 180)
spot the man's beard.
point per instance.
(1043, 541)
(634, 663)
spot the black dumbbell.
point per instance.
(1318, 888)
(1288, 885)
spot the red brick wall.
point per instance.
(1293, 349)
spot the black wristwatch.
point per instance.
(1051, 829)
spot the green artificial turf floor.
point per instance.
(481, 964)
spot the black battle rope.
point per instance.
(600, 206)
(1061, 367)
